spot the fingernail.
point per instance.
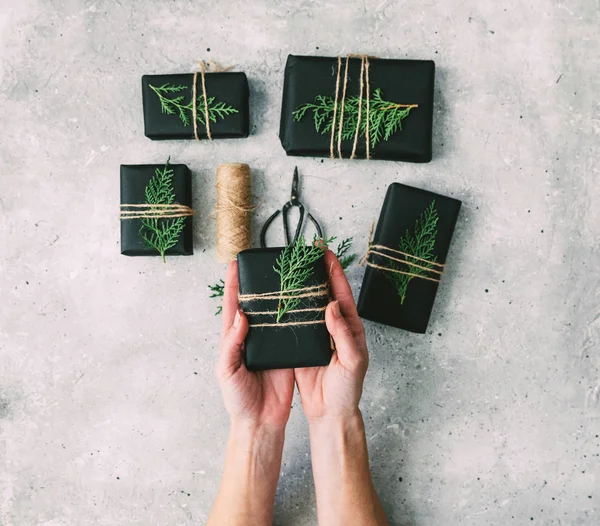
(236, 320)
(335, 309)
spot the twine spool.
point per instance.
(234, 210)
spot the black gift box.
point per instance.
(230, 90)
(400, 81)
(134, 179)
(280, 347)
(379, 298)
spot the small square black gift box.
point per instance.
(300, 338)
(146, 229)
(399, 108)
(406, 257)
(169, 107)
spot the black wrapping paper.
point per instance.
(401, 81)
(379, 300)
(227, 87)
(134, 179)
(280, 347)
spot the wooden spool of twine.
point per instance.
(234, 210)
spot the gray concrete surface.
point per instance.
(109, 410)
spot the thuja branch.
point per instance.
(341, 253)
(294, 266)
(420, 243)
(385, 117)
(177, 105)
(161, 233)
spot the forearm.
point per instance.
(250, 476)
(345, 492)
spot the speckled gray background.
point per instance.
(109, 410)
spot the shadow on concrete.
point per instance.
(441, 117)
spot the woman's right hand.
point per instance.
(334, 391)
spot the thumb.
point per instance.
(232, 344)
(348, 352)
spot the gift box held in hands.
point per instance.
(286, 311)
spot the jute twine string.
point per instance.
(360, 98)
(157, 211)
(215, 69)
(305, 292)
(294, 311)
(335, 105)
(233, 210)
(339, 144)
(375, 249)
(287, 324)
(338, 125)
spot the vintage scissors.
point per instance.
(294, 201)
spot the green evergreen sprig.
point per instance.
(385, 117)
(218, 291)
(178, 106)
(420, 244)
(294, 267)
(341, 253)
(161, 233)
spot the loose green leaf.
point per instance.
(218, 291)
(341, 252)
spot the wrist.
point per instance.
(256, 441)
(250, 430)
(339, 420)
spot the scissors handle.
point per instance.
(263, 232)
(286, 227)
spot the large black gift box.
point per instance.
(164, 118)
(280, 347)
(404, 209)
(400, 82)
(134, 179)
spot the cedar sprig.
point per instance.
(218, 291)
(385, 117)
(161, 233)
(178, 106)
(341, 253)
(420, 244)
(294, 267)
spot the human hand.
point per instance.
(335, 390)
(254, 398)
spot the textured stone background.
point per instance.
(109, 410)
